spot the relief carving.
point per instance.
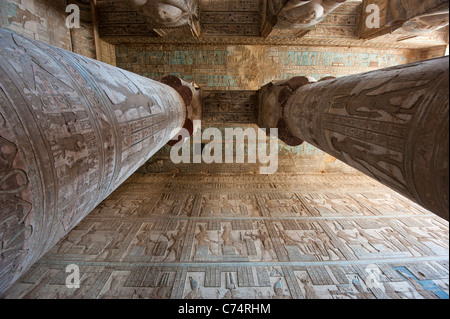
(302, 14)
(170, 13)
(15, 229)
(24, 16)
(418, 16)
(83, 128)
(182, 256)
(379, 122)
(366, 155)
(176, 243)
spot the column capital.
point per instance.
(272, 100)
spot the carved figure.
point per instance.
(178, 241)
(427, 23)
(278, 288)
(356, 240)
(304, 14)
(196, 292)
(418, 16)
(310, 293)
(266, 245)
(169, 13)
(204, 240)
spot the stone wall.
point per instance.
(42, 20)
(45, 20)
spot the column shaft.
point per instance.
(391, 124)
(72, 129)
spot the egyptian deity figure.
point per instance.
(418, 16)
(307, 13)
(167, 13)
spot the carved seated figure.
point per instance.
(307, 13)
(166, 13)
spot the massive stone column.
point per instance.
(72, 130)
(391, 124)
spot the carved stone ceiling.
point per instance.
(239, 22)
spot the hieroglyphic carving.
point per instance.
(88, 127)
(270, 11)
(229, 107)
(292, 16)
(24, 16)
(43, 20)
(147, 18)
(378, 122)
(15, 226)
(270, 253)
(230, 18)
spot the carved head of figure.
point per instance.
(303, 14)
(165, 13)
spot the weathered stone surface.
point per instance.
(192, 99)
(238, 22)
(207, 234)
(273, 98)
(298, 16)
(72, 130)
(242, 68)
(148, 18)
(402, 19)
(417, 15)
(392, 124)
(305, 14)
(259, 237)
(170, 13)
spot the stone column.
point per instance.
(72, 130)
(391, 124)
